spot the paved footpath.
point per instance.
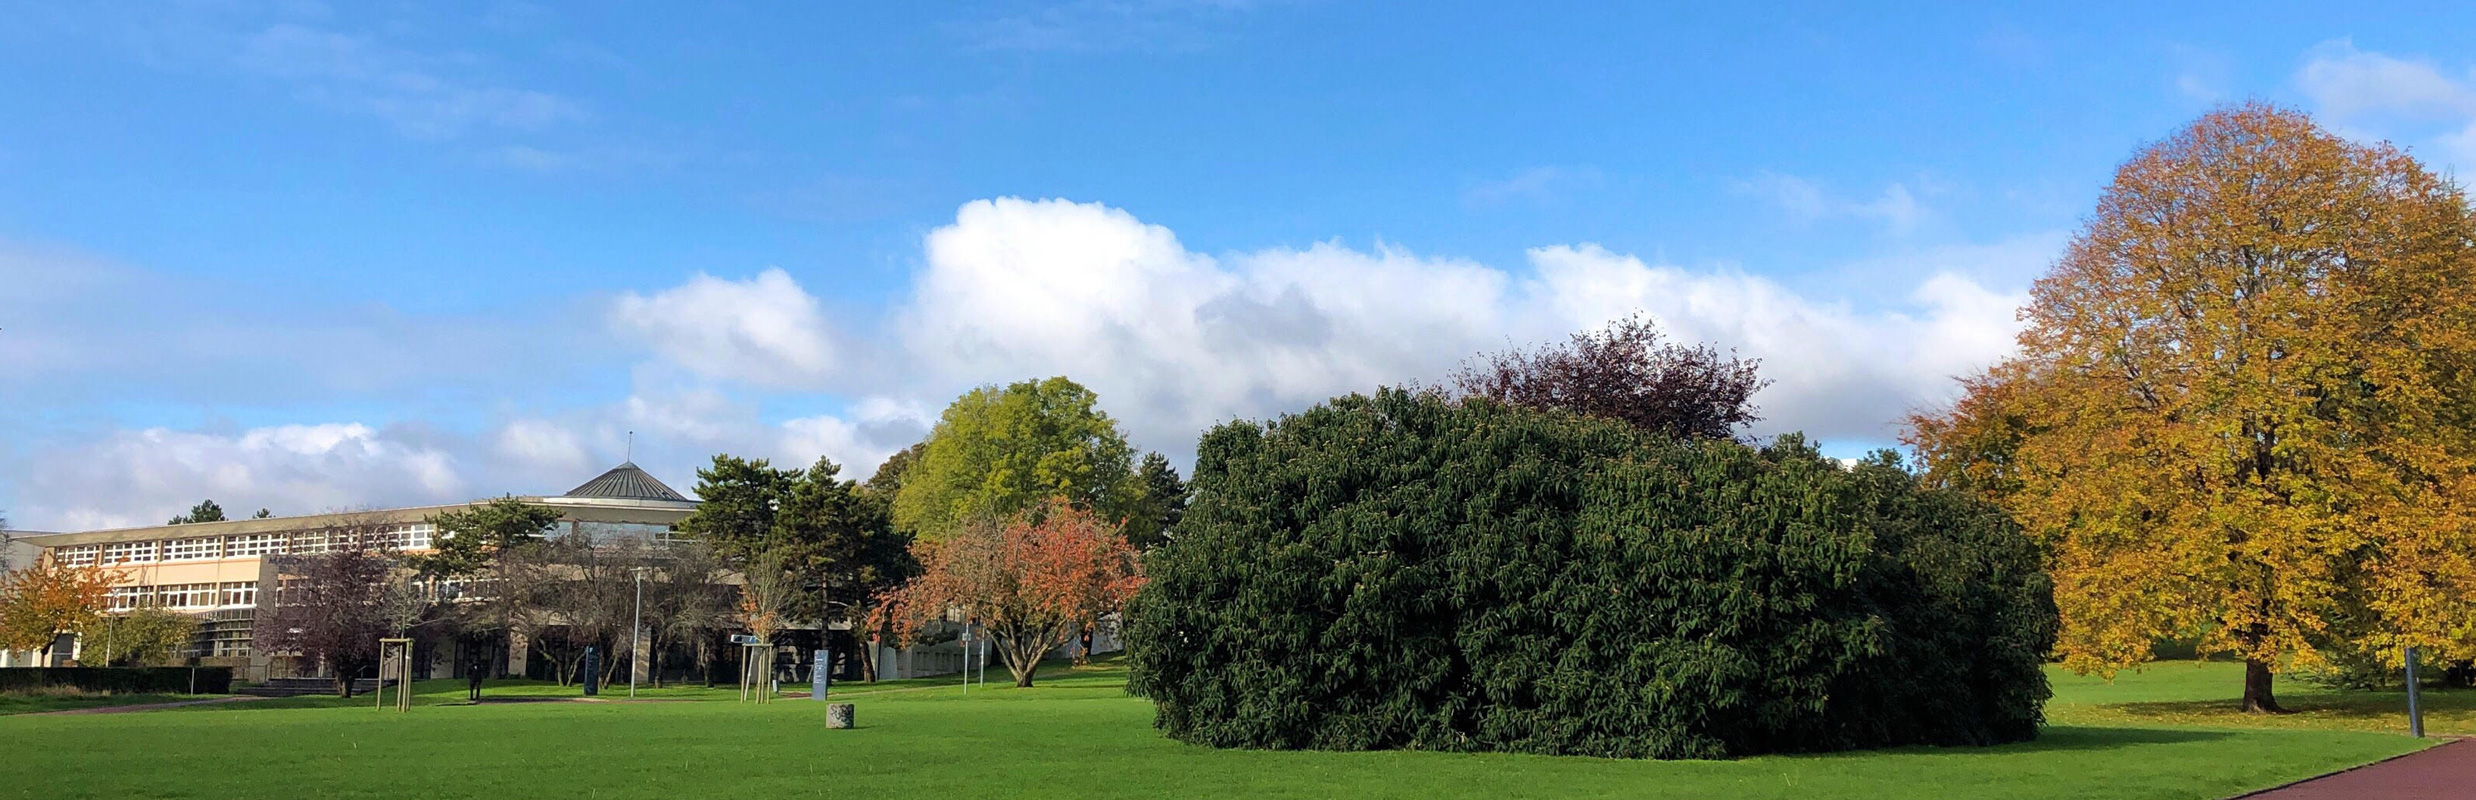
(2442, 771)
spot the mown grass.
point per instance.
(40, 702)
(2205, 694)
(1076, 735)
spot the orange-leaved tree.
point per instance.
(50, 598)
(1033, 582)
(2244, 410)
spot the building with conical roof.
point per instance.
(222, 572)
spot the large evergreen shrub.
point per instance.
(1403, 571)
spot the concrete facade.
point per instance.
(222, 572)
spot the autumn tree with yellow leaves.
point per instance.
(2245, 406)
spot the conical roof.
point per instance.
(626, 482)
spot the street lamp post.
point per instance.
(636, 630)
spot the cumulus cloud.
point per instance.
(143, 477)
(1174, 340)
(2372, 94)
(764, 331)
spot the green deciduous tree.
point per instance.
(999, 451)
(146, 637)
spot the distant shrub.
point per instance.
(1404, 571)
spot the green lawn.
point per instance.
(32, 704)
(1077, 735)
(2204, 694)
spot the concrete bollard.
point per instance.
(838, 716)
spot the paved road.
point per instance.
(2445, 771)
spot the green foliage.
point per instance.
(468, 539)
(204, 511)
(147, 637)
(997, 452)
(1404, 571)
(1164, 502)
(829, 532)
(888, 480)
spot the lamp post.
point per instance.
(636, 630)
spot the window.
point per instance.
(124, 598)
(308, 544)
(240, 594)
(418, 535)
(203, 547)
(77, 556)
(129, 553)
(255, 544)
(187, 595)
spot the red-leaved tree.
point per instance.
(1034, 582)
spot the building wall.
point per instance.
(219, 571)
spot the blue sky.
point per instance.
(307, 256)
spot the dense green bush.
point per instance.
(1404, 571)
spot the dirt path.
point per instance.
(2443, 771)
(238, 698)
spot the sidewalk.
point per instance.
(2443, 771)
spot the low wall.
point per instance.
(120, 680)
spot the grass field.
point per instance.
(1078, 735)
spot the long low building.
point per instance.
(223, 572)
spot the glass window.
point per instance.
(240, 594)
(255, 544)
(124, 598)
(187, 595)
(83, 555)
(129, 553)
(308, 544)
(203, 547)
(418, 535)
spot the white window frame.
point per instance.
(198, 548)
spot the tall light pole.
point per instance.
(636, 631)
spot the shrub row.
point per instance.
(1405, 571)
(119, 680)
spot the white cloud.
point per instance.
(1534, 185)
(407, 89)
(1175, 341)
(1897, 209)
(1105, 25)
(764, 331)
(2373, 94)
(145, 476)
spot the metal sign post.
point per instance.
(967, 659)
(821, 675)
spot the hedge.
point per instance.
(119, 680)
(1406, 571)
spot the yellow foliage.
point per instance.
(2245, 404)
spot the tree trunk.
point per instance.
(2257, 696)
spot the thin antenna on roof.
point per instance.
(631, 447)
